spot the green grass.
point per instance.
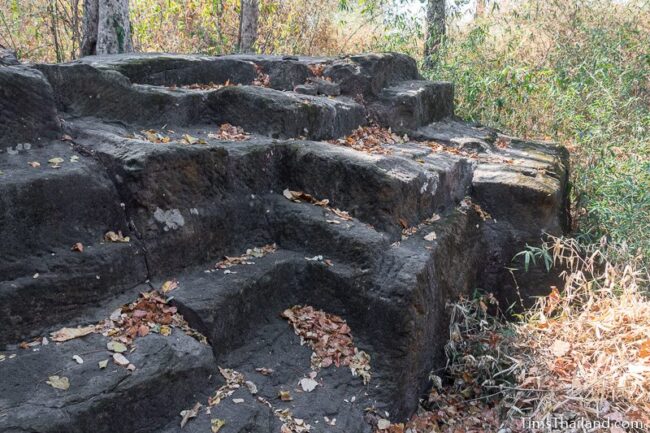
(576, 76)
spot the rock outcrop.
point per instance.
(8, 57)
(134, 145)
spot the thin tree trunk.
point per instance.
(435, 30)
(248, 17)
(74, 21)
(89, 27)
(480, 8)
(107, 28)
(55, 31)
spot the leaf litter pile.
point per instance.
(580, 356)
(317, 69)
(410, 231)
(467, 204)
(150, 313)
(226, 132)
(330, 339)
(300, 196)
(230, 133)
(371, 139)
(262, 79)
(234, 381)
(247, 257)
(203, 86)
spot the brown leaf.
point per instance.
(143, 330)
(190, 413)
(111, 236)
(230, 132)
(560, 348)
(285, 396)
(65, 334)
(644, 349)
(168, 286)
(216, 424)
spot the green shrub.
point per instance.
(574, 72)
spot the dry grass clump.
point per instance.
(580, 355)
(587, 348)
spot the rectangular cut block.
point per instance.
(285, 114)
(27, 110)
(411, 104)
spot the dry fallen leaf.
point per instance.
(103, 364)
(120, 360)
(155, 137)
(168, 286)
(307, 384)
(116, 346)
(55, 162)
(285, 396)
(111, 236)
(431, 237)
(252, 388)
(644, 349)
(58, 382)
(264, 371)
(262, 80)
(245, 259)
(383, 424)
(78, 247)
(190, 413)
(65, 334)
(188, 139)
(230, 133)
(143, 330)
(165, 330)
(78, 359)
(216, 424)
(34, 164)
(560, 348)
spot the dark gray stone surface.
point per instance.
(27, 112)
(8, 57)
(412, 104)
(185, 206)
(169, 371)
(285, 115)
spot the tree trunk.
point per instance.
(107, 29)
(435, 30)
(248, 16)
(89, 27)
(480, 8)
